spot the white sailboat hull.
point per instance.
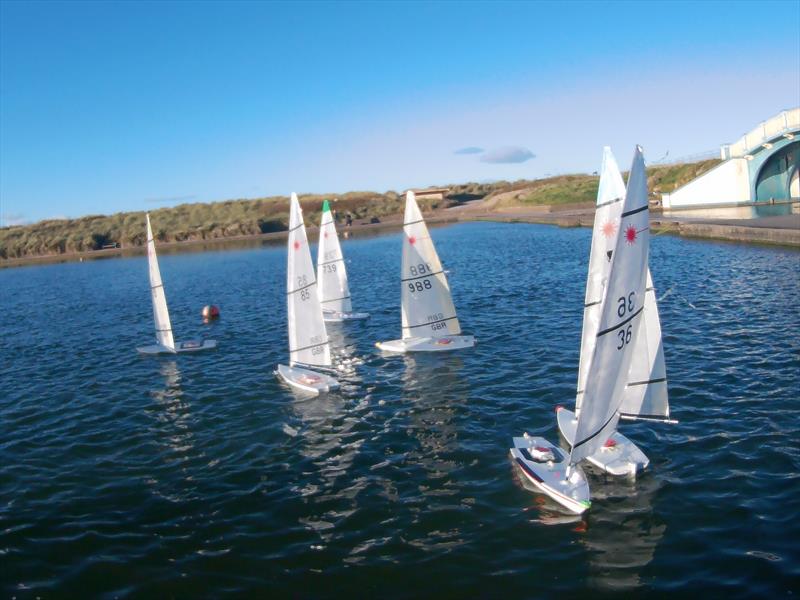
(188, 346)
(306, 380)
(428, 344)
(549, 477)
(335, 316)
(619, 456)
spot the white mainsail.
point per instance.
(646, 393)
(160, 311)
(620, 320)
(426, 304)
(308, 339)
(334, 292)
(610, 196)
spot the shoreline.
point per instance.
(786, 235)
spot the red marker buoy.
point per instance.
(210, 312)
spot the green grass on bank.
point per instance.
(208, 221)
(200, 221)
(568, 189)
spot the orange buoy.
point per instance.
(210, 312)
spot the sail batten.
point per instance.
(430, 322)
(296, 350)
(420, 276)
(642, 417)
(620, 324)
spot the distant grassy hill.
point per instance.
(569, 189)
(186, 222)
(208, 221)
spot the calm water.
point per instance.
(201, 475)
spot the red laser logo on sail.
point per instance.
(630, 235)
(412, 240)
(609, 228)
(297, 245)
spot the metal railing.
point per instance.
(786, 122)
(686, 158)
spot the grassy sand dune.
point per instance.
(236, 218)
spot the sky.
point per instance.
(107, 107)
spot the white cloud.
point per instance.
(469, 150)
(508, 155)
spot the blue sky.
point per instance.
(126, 106)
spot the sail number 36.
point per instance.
(625, 306)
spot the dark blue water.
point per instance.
(202, 475)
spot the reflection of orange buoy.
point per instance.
(210, 313)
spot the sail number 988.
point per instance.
(419, 286)
(420, 269)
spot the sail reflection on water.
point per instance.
(435, 393)
(172, 430)
(329, 442)
(622, 537)
(435, 389)
(345, 357)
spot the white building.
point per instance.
(759, 176)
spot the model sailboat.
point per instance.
(165, 343)
(645, 395)
(334, 291)
(308, 339)
(429, 320)
(620, 319)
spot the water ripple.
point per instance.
(203, 475)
